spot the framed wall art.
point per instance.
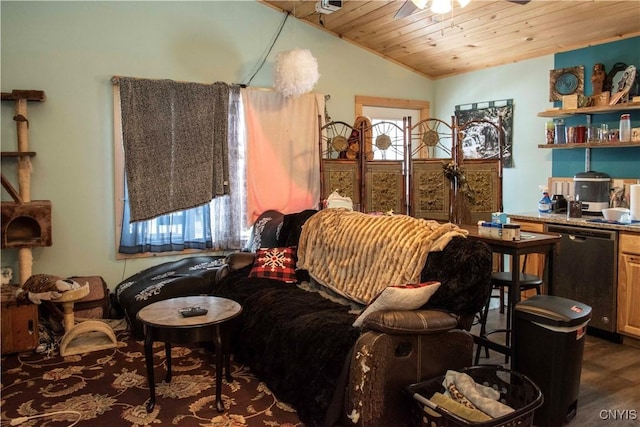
(566, 81)
(480, 140)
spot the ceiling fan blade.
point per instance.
(405, 10)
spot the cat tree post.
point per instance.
(24, 162)
(25, 255)
(25, 224)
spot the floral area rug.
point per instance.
(109, 388)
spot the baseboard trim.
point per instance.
(630, 341)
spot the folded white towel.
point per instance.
(482, 397)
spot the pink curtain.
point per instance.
(283, 159)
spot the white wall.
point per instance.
(71, 49)
(527, 83)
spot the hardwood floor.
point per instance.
(609, 383)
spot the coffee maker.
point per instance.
(592, 189)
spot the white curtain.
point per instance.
(228, 212)
(283, 156)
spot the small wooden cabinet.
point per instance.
(19, 323)
(629, 284)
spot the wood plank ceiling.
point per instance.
(484, 34)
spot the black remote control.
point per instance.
(193, 311)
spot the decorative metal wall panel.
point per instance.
(335, 139)
(430, 191)
(483, 179)
(431, 139)
(384, 187)
(418, 170)
(343, 176)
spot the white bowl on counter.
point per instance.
(617, 214)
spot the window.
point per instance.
(187, 229)
(216, 226)
(390, 108)
(392, 111)
(393, 129)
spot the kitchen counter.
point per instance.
(625, 258)
(579, 222)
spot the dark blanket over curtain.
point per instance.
(175, 144)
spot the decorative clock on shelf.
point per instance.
(566, 81)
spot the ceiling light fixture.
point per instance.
(444, 6)
(441, 6)
(420, 4)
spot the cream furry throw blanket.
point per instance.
(358, 255)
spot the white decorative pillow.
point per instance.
(407, 297)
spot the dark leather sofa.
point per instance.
(304, 347)
(182, 278)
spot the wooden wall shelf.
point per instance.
(29, 95)
(18, 153)
(601, 109)
(591, 145)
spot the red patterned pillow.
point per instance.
(275, 263)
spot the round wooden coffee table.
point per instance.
(163, 322)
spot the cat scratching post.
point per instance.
(25, 256)
(24, 162)
(25, 261)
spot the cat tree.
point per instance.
(26, 223)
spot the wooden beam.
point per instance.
(29, 95)
(18, 153)
(11, 190)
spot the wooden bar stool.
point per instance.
(501, 281)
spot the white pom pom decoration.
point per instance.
(296, 72)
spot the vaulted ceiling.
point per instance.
(481, 35)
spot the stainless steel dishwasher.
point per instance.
(584, 270)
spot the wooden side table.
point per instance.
(163, 322)
(19, 323)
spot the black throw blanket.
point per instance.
(464, 269)
(295, 341)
